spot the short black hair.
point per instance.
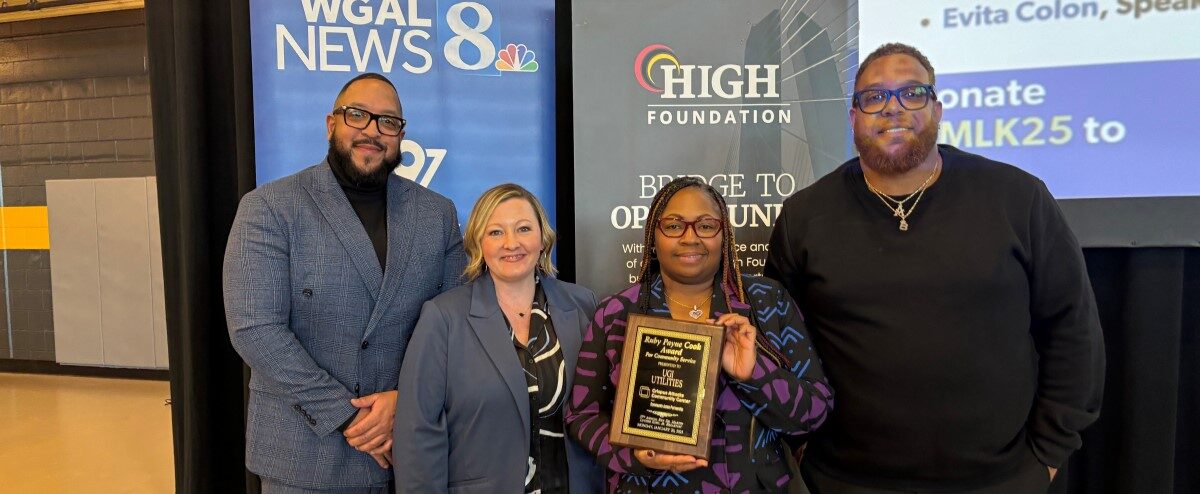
(895, 49)
(367, 75)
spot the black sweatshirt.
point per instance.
(958, 350)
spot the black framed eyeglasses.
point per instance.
(913, 97)
(704, 227)
(359, 118)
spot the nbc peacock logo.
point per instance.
(647, 59)
(516, 58)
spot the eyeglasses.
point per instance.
(913, 97)
(704, 227)
(359, 118)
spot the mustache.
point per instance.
(370, 140)
(895, 123)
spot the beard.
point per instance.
(914, 152)
(341, 160)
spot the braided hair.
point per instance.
(728, 275)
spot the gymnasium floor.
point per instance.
(84, 434)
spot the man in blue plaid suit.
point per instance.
(325, 274)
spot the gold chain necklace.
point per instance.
(695, 313)
(898, 210)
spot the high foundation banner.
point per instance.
(475, 78)
(749, 96)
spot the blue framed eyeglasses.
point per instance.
(912, 97)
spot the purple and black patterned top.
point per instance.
(782, 401)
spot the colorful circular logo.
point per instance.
(647, 59)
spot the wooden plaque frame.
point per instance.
(702, 394)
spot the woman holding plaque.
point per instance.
(771, 383)
(490, 364)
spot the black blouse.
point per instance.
(542, 360)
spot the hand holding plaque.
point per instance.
(667, 386)
(666, 461)
(739, 353)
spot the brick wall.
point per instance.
(74, 103)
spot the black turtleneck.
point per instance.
(370, 204)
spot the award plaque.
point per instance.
(667, 386)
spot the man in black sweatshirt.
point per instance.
(948, 300)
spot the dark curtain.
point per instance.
(1146, 441)
(1148, 438)
(199, 60)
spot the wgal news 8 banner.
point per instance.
(475, 78)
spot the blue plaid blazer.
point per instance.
(319, 322)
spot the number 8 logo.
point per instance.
(453, 48)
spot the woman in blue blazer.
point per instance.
(486, 376)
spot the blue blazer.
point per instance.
(318, 321)
(462, 418)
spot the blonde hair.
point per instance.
(484, 207)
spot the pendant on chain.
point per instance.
(695, 312)
(903, 225)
